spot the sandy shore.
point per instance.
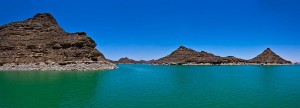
(224, 64)
(83, 66)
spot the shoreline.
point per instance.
(226, 64)
(65, 66)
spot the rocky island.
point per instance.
(269, 57)
(187, 56)
(127, 60)
(39, 43)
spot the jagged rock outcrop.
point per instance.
(269, 57)
(41, 39)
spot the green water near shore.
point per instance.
(147, 86)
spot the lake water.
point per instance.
(147, 86)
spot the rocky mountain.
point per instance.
(232, 59)
(145, 61)
(184, 55)
(268, 56)
(126, 60)
(180, 55)
(41, 40)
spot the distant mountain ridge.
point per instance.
(183, 55)
(126, 60)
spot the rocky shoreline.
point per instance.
(65, 66)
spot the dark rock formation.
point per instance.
(126, 60)
(268, 56)
(232, 59)
(41, 39)
(185, 55)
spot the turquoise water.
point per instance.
(147, 86)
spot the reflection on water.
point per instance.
(143, 86)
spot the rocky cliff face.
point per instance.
(41, 39)
(268, 56)
(185, 55)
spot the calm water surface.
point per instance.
(146, 86)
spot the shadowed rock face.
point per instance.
(41, 39)
(268, 56)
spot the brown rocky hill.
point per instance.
(268, 56)
(180, 55)
(127, 60)
(232, 59)
(184, 55)
(41, 39)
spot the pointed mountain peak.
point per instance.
(43, 15)
(269, 51)
(182, 47)
(268, 56)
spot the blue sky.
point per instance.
(150, 29)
